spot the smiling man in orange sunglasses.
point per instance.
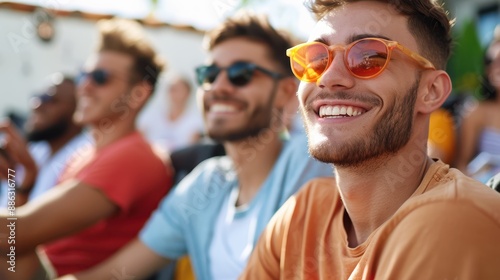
(372, 73)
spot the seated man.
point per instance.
(217, 212)
(109, 190)
(390, 212)
(52, 137)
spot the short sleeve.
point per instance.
(127, 174)
(442, 240)
(165, 231)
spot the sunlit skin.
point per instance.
(96, 102)
(246, 118)
(248, 109)
(388, 130)
(110, 109)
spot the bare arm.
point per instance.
(134, 261)
(61, 211)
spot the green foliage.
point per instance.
(466, 63)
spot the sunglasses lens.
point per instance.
(206, 75)
(310, 61)
(100, 77)
(367, 58)
(240, 74)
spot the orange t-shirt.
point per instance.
(448, 229)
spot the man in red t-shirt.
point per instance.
(110, 188)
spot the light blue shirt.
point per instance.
(184, 222)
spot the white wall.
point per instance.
(25, 61)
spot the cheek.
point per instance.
(304, 92)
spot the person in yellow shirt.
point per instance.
(391, 211)
(442, 136)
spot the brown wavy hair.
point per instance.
(427, 20)
(128, 37)
(256, 28)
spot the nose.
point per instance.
(84, 85)
(336, 74)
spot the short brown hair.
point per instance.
(128, 37)
(256, 28)
(427, 21)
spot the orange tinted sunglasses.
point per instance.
(365, 58)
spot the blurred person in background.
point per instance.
(217, 212)
(109, 190)
(479, 146)
(180, 125)
(441, 143)
(51, 136)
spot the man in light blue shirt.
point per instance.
(217, 212)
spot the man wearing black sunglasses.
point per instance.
(52, 136)
(371, 75)
(216, 213)
(108, 190)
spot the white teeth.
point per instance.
(339, 111)
(222, 108)
(335, 111)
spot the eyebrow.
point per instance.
(353, 38)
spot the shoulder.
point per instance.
(211, 178)
(132, 149)
(441, 239)
(457, 202)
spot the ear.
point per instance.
(435, 89)
(286, 92)
(139, 94)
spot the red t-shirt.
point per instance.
(130, 175)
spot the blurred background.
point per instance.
(39, 37)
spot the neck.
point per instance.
(70, 133)
(373, 192)
(105, 134)
(253, 159)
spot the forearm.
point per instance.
(125, 264)
(20, 267)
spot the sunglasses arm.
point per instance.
(415, 56)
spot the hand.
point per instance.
(14, 151)
(6, 163)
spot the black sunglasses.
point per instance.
(37, 100)
(239, 73)
(99, 76)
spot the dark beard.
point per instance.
(389, 135)
(50, 133)
(258, 123)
